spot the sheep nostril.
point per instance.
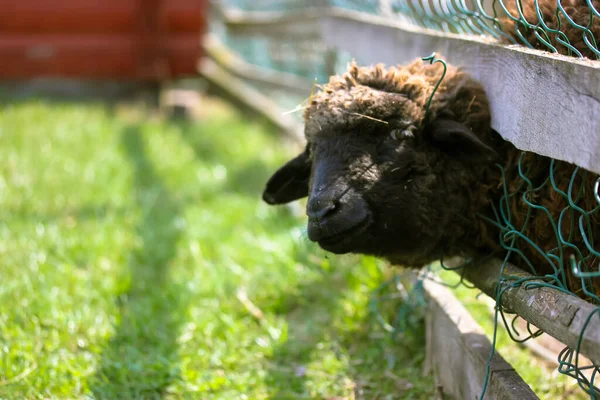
(321, 212)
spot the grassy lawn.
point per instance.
(137, 261)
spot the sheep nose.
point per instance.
(332, 217)
(317, 209)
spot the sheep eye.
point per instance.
(398, 134)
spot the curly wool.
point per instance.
(577, 10)
(574, 183)
(398, 91)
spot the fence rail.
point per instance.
(560, 315)
(463, 373)
(550, 95)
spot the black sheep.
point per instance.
(386, 177)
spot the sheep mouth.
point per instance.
(347, 240)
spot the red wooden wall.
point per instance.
(100, 39)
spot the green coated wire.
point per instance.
(555, 282)
(512, 238)
(432, 60)
(457, 17)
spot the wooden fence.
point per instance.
(526, 89)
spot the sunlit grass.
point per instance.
(137, 261)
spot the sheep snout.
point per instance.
(336, 223)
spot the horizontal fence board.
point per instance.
(248, 98)
(93, 56)
(541, 102)
(458, 352)
(95, 17)
(262, 77)
(303, 24)
(71, 16)
(560, 315)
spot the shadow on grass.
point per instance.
(140, 361)
(322, 329)
(309, 312)
(247, 178)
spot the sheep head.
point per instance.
(382, 176)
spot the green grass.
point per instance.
(126, 248)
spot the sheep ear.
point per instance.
(456, 137)
(289, 182)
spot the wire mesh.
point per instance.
(304, 57)
(540, 192)
(563, 198)
(569, 27)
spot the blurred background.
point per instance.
(137, 259)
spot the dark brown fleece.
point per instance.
(577, 10)
(364, 92)
(541, 228)
(446, 189)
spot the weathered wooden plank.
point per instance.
(560, 315)
(458, 351)
(541, 102)
(265, 78)
(545, 346)
(282, 24)
(247, 98)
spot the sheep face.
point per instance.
(381, 187)
(384, 176)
